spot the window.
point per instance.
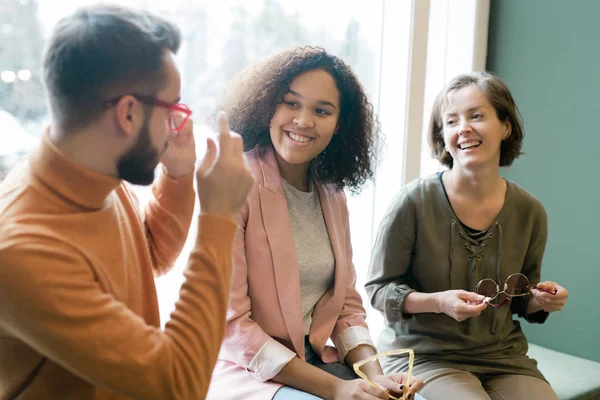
(402, 51)
(219, 40)
(457, 43)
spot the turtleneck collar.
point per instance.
(74, 182)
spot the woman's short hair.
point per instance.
(499, 97)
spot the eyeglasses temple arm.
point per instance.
(552, 291)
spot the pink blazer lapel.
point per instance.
(281, 242)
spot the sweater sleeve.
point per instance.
(387, 282)
(167, 219)
(51, 300)
(532, 265)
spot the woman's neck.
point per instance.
(481, 184)
(294, 174)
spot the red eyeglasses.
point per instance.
(516, 285)
(178, 116)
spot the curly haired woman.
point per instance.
(309, 132)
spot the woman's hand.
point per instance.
(396, 384)
(460, 304)
(544, 299)
(358, 389)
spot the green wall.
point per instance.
(548, 52)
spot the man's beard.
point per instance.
(138, 164)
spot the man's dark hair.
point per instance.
(101, 52)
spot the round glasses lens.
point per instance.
(517, 285)
(487, 288)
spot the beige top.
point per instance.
(313, 247)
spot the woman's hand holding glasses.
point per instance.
(460, 304)
(548, 296)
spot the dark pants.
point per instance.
(341, 370)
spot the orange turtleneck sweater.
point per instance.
(78, 309)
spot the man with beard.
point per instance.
(78, 308)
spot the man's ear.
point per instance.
(129, 114)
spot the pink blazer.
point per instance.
(265, 294)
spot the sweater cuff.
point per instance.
(398, 303)
(350, 338)
(520, 307)
(270, 360)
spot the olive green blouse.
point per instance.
(422, 246)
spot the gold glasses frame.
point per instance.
(525, 286)
(399, 352)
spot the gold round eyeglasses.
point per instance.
(399, 352)
(516, 285)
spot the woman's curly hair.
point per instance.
(251, 97)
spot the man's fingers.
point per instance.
(237, 145)
(209, 157)
(224, 133)
(188, 129)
